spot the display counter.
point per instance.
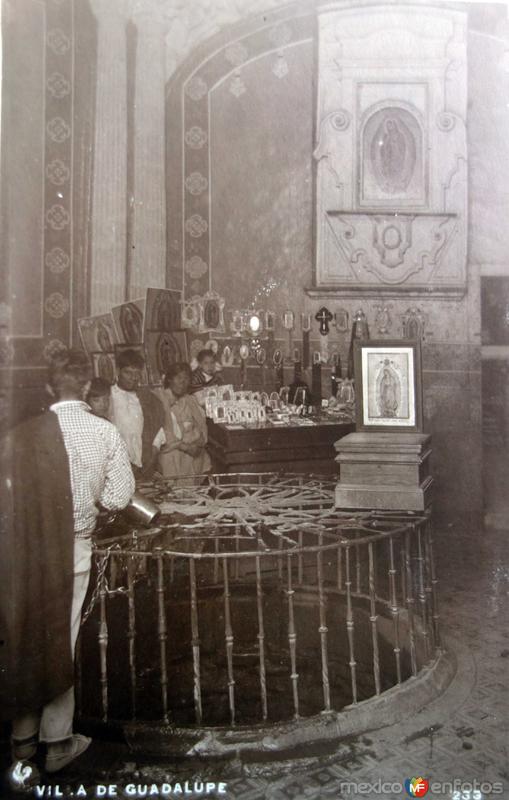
(295, 447)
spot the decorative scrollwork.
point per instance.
(58, 86)
(58, 130)
(236, 54)
(196, 183)
(58, 41)
(57, 172)
(446, 121)
(196, 226)
(196, 267)
(57, 217)
(196, 88)
(195, 137)
(340, 120)
(56, 305)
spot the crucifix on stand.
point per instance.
(324, 317)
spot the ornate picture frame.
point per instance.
(388, 385)
(211, 307)
(129, 319)
(98, 333)
(104, 366)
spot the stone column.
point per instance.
(109, 202)
(147, 246)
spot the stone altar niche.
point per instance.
(391, 156)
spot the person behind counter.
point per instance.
(206, 373)
(99, 397)
(137, 412)
(58, 468)
(180, 443)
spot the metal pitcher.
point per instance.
(141, 511)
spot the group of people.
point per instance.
(58, 470)
(164, 428)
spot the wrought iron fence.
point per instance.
(257, 575)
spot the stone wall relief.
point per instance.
(391, 205)
(393, 169)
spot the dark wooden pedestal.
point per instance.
(384, 471)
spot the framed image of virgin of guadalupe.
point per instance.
(388, 385)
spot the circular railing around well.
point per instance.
(255, 600)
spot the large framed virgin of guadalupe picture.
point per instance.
(388, 385)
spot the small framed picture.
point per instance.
(388, 385)
(104, 366)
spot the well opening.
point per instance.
(254, 601)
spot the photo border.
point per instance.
(414, 348)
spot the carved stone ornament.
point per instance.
(391, 175)
(389, 248)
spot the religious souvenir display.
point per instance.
(284, 394)
(324, 316)
(289, 324)
(255, 322)
(388, 385)
(413, 323)
(104, 366)
(129, 321)
(346, 393)
(190, 312)
(274, 401)
(211, 307)
(195, 347)
(227, 356)
(163, 310)
(360, 332)
(316, 381)
(341, 318)
(98, 334)
(244, 351)
(212, 345)
(383, 320)
(335, 373)
(261, 356)
(224, 405)
(226, 392)
(277, 360)
(237, 323)
(270, 321)
(163, 349)
(306, 345)
(138, 348)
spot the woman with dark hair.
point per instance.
(181, 442)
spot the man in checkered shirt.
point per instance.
(100, 474)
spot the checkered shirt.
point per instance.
(98, 462)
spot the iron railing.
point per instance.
(357, 591)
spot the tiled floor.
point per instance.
(463, 735)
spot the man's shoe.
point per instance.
(23, 749)
(56, 761)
